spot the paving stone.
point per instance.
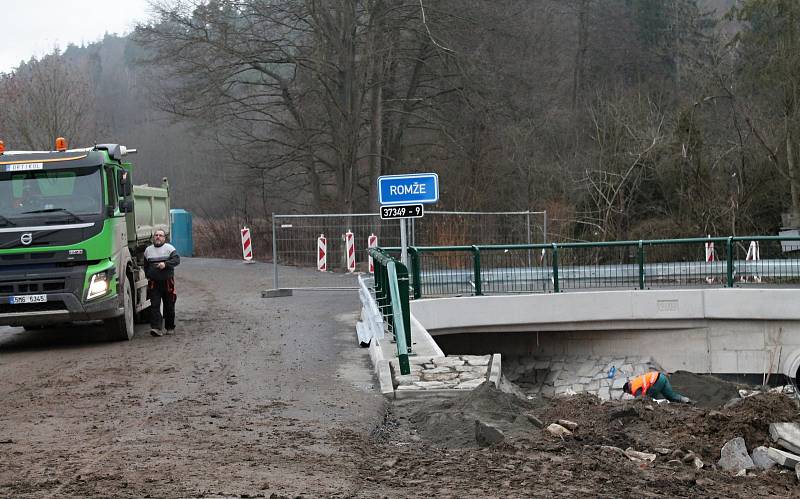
(468, 385)
(470, 369)
(619, 383)
(476, 360)
(588, 368)
(404, 379)
(448, 362)
(599, 376)
(542, 364)
(584, 380)
(578, 388)
(466, 376)
(563, 390)
(627, 369)
(429, 376)
(419, 360)
(604, 394)
(565, 375)
(616, 394)
(548, 392)
(438, 370)
(562, 382)
(557, 366)
(429, 384)
(593, 386)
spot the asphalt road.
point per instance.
(253, 396)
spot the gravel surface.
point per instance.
(263, 397)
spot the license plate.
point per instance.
(14, 300)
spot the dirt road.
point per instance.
(272, 398)
(248, 398)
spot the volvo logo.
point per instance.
(26, 239)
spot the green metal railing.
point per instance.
(391, 294)
(644, 264)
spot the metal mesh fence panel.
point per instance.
(296, 235)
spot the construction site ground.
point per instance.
(263, 397)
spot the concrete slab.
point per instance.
(276, 293)
(786, 435)
(785, 459)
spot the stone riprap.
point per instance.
(461, 372)
(550, 377)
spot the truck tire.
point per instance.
(121, 328)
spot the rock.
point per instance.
(677, 454)
(741, 473)
(558, 430)
(570, 425)
(627, 396)
(535, 421)
(619, 383)
(698, 463)
(662, 450)
(797, 470)
(732, 402)
(487, 435)
(734, 456)
(639, 457)
(761, 458)
(785, 459)
(786, 435)
(748, 393)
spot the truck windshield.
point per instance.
(50, 193)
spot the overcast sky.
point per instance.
(35, 27)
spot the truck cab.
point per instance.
(65, 250)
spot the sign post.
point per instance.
(402, 196)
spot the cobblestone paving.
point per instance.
(461, 372)
(559, 376)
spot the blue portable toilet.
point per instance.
(181, 237)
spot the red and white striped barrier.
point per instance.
(710, 250)
(350, 245)
(247, 246)
(753, 252)
(372, 242)
(322, 253)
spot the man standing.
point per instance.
(655, 385)
(160, 260)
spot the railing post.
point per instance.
(729, 251)
(641, 264)
(403, 285)
(476, 264)
(402, 347)
(555, 268)
(415, 272)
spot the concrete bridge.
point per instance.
(722, 330)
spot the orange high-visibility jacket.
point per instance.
(643, 382)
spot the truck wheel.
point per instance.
(121, 328)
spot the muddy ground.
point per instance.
(272, 398)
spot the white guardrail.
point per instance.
(370, 327)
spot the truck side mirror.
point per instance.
(126, 205)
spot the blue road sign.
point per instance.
(411, 188)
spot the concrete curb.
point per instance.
(382, 369)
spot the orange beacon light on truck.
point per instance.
(61, 144)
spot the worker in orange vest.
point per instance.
(655, 385)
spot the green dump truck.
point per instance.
(73, 229)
